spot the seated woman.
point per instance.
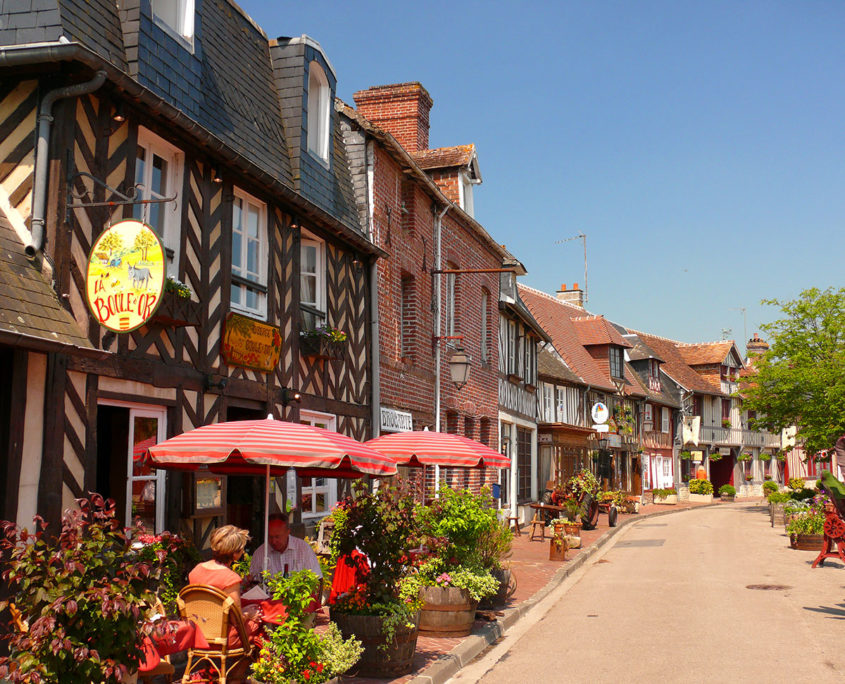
(227, 546)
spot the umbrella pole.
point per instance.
(266, 520)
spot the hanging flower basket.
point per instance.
(323, 343)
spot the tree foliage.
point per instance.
(800, 380)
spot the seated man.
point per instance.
(287, 554)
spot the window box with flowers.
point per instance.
(726, 423)
(176, 308)
(323, 342)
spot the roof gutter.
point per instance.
(50, 53)
(42, 153)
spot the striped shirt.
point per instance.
(298, 556)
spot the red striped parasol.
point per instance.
(250, 446)
(424, 448)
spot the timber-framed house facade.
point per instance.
(238, 136)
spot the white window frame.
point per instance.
(259, 277)
(329, 484)
(319, 113)
(310, 241)
(548, 403)
(665, 414)
(560, 405)
(143, 411)
(648, 418)
(466, 200)
(512, 337)
(170, 211)
(185, 13)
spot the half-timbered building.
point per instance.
(186, 117)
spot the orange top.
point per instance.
(220, 578)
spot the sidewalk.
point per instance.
(438, 659)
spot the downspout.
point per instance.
(438, 319)
(375, 352)
(42, 152)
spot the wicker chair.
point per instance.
(213, 612)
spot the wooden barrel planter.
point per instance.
(727, 497)
(446, 612)
(809, 542)
(776, 512)
(501, 596)
(396, 660)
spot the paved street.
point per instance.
(671, 599)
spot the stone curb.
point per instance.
(448, 665)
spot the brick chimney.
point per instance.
(401, 109)
(575, 296)
(756, 345)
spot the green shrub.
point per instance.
(663, 493)
(806, 522)
(802, 494)
(778, 497)
(728, 490)
(700, 487)
(769, 487)
(796, 483)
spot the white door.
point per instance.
(145, 486)
(319, 494)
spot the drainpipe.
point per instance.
(42, 151)
(438, 319)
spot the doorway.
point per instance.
(721, 472)
(245, 493)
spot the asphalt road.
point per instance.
(707, 595)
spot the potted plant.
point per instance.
(665, 496)
(765, 458)
(293, 651)
(323, 342)
(84, 593)
(744, 458)
(715, 456)
(685, 455)
(453, 574)
(381, 526)
(700, 491)
(777, 503)
(806, 527)
(726, 423)
(769, 487)
(727, 492)
(495, 547)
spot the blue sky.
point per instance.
(698, 145)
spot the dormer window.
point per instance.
(319, 95)
(653, 375)
(176, 15)
(615, 359)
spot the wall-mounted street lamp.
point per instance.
(459, 364)
(288, 396)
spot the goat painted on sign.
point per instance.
(139, 276)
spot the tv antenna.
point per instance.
(583, 239)
(725, 333)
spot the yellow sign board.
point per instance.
(125, 276)
(250, 343)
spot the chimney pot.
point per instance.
(574, 286)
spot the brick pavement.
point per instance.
(533, 571)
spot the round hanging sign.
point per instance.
(125, 276)
(599, 413)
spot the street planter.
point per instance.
(701, 498)
(501, 596)
(807, 542)
(727, 497)
(395, 661)
(446, 612)
(177, 312)
(776, 513)
(669, 500)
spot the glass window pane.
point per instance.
(158, 183)
(252, 221)
(320, 502)
(155, 217)
(251, 298)
(236, 294)
(308, 294)
(144, 503)
(145, 436)
(309, 259)
(252, 258)
(237, 257)
(140, 157)
(307, 502)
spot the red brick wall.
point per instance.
(401, 109)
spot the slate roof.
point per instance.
(704, 353)
(675, 365)
(549, 365)
(28, 304)
(594, 330)
(556, 318)
(444, 157)
(639, 350)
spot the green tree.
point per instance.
(143, 241)
(800, 380)
(111, 242)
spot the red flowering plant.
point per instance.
(293, 652)
(181, 557)
(380, 525)
(84, 595)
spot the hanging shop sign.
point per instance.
(599, 413)
(125, 276)
(250, 343)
